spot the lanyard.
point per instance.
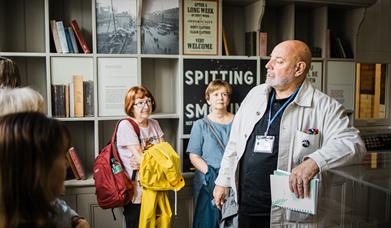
(271, 119)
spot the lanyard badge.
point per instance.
(264, 143)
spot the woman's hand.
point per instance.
(135, 162)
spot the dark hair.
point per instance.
(30, 142)
(134, 93)
(9, 73)
(215, 85)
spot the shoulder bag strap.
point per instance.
(114, 138)
(212, 129)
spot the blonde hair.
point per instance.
(216, 85)
(20, 100)
(9, 73)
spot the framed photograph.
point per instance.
(200, 27)
(160, 27)
(116, 26)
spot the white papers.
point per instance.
(115, 77)
(283, 197)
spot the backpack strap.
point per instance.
(114, 139)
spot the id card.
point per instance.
(264, 144)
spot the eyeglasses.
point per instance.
(141, 104)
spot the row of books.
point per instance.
(64, 37)
(75, 99)
(76, 170)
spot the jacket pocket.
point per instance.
(304, 144)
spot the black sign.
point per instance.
(197, 73)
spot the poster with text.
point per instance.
(115, 77)
(240, 74)
(200, 27)
(315, 75)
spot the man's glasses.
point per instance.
(141, 104)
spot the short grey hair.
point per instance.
(20, 100)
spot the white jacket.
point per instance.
(335, 145)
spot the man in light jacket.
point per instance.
(284, 124)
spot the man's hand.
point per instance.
(301, 176)
(220, 194)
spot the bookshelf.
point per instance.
(26, 38)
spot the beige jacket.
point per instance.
(335, 145)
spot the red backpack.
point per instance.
(112, 190)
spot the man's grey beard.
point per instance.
(276, 82)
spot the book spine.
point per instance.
(263, 44)
(88, 93)
(69, 42)
(61, 101)
(80, 37)
(78, 95)
(72, 165)
(71, 99)
(66, 100)
(76, 161)
(56, 38)
(73, 39)
(63, 39)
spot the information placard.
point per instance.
(200, 27)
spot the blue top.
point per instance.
(204, 143)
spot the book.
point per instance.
(73, 40)
(77, 163)
(69, 41)
(58, 100)
(263, 43)
(72, 166)
(80, 37)
(56, 38)
(63, 39)
(78, 95)
(71, 99)
(88, 98)
(66, 100)
(283, 197)
(250, 43)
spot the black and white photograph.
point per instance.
(116, 26)
(160, 27)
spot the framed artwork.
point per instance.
(200, 27)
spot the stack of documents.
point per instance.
(283, 197)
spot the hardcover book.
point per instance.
(283, 197)
(78, 95)
(58, 101)
(73, 40)
(72, 166)
(80, 37)
(56, 38)
(88, 93)
(77, 163)
(116, 26)
(263, 43)
(63, 38)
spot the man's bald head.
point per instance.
(299, 50)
